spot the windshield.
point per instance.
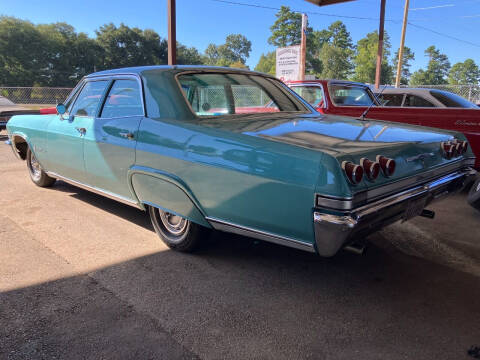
(216, 94)
(348, 95)
(310, 93)
(452, 100)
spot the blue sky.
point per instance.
(200, 22)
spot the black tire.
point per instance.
(474, 195)
(176, 232)
(38, 176)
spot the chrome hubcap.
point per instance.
(35, 167)
(176, 225)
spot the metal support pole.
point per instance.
(172, 33)
(402, 44)
(303, 46)
(381, 31)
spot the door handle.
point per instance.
(127, 135)
(82, 131)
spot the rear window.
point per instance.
(347, 95)
(452, 100)
(216, 94)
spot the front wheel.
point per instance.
(176, 232)
(474, 195)
(38, 176)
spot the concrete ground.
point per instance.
(85, 277)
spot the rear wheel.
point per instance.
(474, 195)
(176, 232)
(38, 176)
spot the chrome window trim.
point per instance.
(95, 190)
(226, 226)
(349, 203)
(114, 78)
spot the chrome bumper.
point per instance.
(333, 231)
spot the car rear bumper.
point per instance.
(333, 231)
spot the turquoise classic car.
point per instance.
(202, 148)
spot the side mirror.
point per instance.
(61, 109)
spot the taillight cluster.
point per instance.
(370, 169)
(454, 148)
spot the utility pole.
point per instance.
(303, 46)
(172, 33)
(381, 31)
(402, 44)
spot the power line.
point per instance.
(444, 35)
(305, 12)
(349, 17)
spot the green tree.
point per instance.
(21, 53)
(287, 31)
(125, 46)
(336, 51)
(188, 55)
(437, 69)
(464, 73)
(235, 50)
(365, 59)
(267, 63)
(408, 55)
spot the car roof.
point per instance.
(329, 81)
(407, 90)
(172, 68)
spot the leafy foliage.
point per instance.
(408, 55)
(365, 59)
(437, 69)
(464, 73)
(267, 63)
(235, 50)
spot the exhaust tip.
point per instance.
(356, 248)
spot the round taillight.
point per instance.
(448, 150)
(387, 165)
(354, 172)
(371, 168)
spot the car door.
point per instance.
(65, 139)
(110, 140)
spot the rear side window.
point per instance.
(312, 94)
(124, 99)
(391, 99)
(89, 98)
(452, 100)
(417, 101)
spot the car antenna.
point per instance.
(373, 103)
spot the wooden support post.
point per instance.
(402, 44)
(381, 31)
(172, 33)
(303, 47)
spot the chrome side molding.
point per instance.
(95, 190)
(221, 225)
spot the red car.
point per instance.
(348, 98)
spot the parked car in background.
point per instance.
(348, 98)
(195, 148)
(422, 97)
(9, 109)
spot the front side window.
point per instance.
(124, 99)
(216, 94)
(89, 98)
(312, 94)
(416, 101)
(346, 95)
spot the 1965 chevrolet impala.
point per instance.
(198, 148)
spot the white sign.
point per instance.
(288, 63)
